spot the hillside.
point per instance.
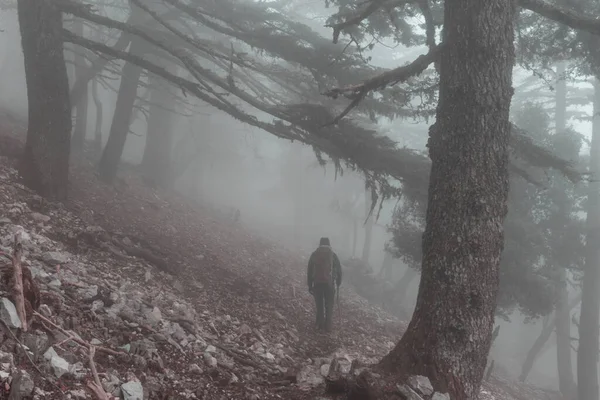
(176, 298)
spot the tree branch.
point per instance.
(391, 77)
(563, 16)
(373, 7)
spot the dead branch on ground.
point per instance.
(96, 386)
(18, 281)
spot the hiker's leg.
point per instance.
(329, 301)
(319, 301)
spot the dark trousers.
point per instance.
(324, 296)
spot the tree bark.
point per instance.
(45, 161)
(450, 333)
(538, 346)
(587, 354)
(566, 381)
(99, 117)
(79, 132)
(156, 161)
(111, 156)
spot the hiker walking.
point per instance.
(324, 277)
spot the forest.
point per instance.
(458, 140)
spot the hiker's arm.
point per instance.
(337, 266)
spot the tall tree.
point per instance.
(563, 312)
(99, 117)
(449, 336)
(119, 129)
(81, 107)
(45, 161)
(587, 354)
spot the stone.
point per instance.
(55, 284)
(59, 365)
(421, 384)
(53, 258)
(245, 330)
(37, 217)
(324, 369)
(440, 396)
(195, 369)
(36, 342)
(8, 313)
(132, 390)
(209, 360)
(408, 392)
(211, 349)
(22, 386)
(154, 316)
(45, 310)
(78, 394)
(112, 385)
(88, 293)
(6, 358)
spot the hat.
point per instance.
(324, 242)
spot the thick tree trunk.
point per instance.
(79, 132)
(538, 346)
(45, 162)
(156, 161)
(566, 381)
(99, 117)
(450, 333)
(111, 157)
(587, 354)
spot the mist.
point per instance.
(292, 194)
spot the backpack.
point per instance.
(323, 262)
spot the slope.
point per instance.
(174, 296)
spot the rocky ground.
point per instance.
(178, 302)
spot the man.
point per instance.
(324, 276)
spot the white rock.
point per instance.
(8, 313)
(209, 360)
(211, 349)
(324, 369)
(440, 396)
(59, 365)
(54, 257)
(36, 216)
(421, 384)
(408, 393)
(132, 390)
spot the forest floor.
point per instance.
(204, 308)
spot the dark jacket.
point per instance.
(337, 270)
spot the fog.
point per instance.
(279, 187)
